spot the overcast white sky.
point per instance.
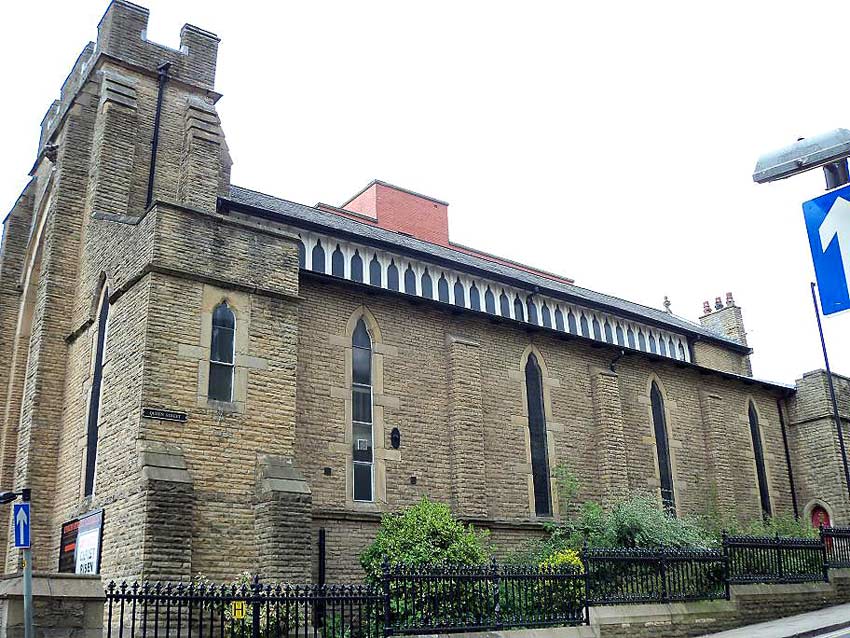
(612, 142)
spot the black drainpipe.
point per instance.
(162, 71)
(787, 458)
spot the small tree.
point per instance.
(424, 534)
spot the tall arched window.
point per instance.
(338, 263)
(375, 271)
(758, 450)
(460, 295)
(489, 301)
(559, 319)
(318, 257)
(356, 267)
(662, 444)
(361, 412)
(427, 285)
(531, 308)
(443, 289)
(571, 322)
(474, 297)
(519, 311)
(302, 254)
(537, 437)
(410, 280)
(392, 276)
(94, 403)
(222, 348)
(546, 316)
(504, 305)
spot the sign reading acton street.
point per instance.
(164, 415)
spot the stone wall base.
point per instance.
(64, 606)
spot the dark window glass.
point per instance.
(361, 412)
(361, 407)
(559, 319)
(318, 257)
(474, 298)
(537, 437)
(302, 254)
(546, 316)
(504, 305)
(519, 311)
(620, 339)
(221, 354)
(409, 281)
(361, 366)
(338, 263)
(662, 347)
(221, 382)
(489, 301)
(392, 276)
(356, 267)
(664, 468)
(571, 322)
(585, 329)
(443, 289)
(375, 271)
(597, 332)
(758, 450)
(671, 348)
(362, 481)
(94, 403)
(681, 352)
(532, 310)
(427, 285)
(631, 335)
(460, 294)
(641, 341)
(652, 343)
(609, 336)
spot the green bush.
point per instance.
(424, 534)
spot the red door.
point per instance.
(819, 517)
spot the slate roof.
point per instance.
(307, 216)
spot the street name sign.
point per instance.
(828, 226)
(21, 521)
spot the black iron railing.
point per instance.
(836, 542)
(777, 559)
(626, 576)
(482, 598)
(151, 610)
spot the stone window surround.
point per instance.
(769, 457)
(380, 401)
(82, 440)
(674, 444)
(553, 427)
(240, 304)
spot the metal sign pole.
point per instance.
(28, 629)
(835, 414)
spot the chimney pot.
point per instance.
(706, 307)
(718, 304)
(729, 300)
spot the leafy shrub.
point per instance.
(563, 558)
(424, 534)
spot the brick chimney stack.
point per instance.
(725, 320)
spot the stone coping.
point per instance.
(53, 585)
(659, 612)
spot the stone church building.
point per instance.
(220, 374)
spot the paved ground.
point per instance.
(832, 622)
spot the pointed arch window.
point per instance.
(597, 331)
(585, 329)
(427, 285)
(94, 402)
(409, 280)
(338, 263)
(671, 348)
(559, 319)
(652, 343)
(460, 294)
(519, 311)
(662, 444)
(620, 339)
(302, 254)
(681, 352)
(222, 349)
(609, 335)
(546, 316)
(758, 450)
(361, 413)
(489, 301)
(318, 257)
(443, 289)
(356, 267)
(631, 337)
(375, 271)
(532, 310)
(537, 437)
(392, 276)
(474, 297)
(662, 347)
(571, 322)
(641, 341)
(504, 305)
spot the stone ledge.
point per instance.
(53, 585)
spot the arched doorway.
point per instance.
(819, 516)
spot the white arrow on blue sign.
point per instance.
(828, 225)
(21, 521)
